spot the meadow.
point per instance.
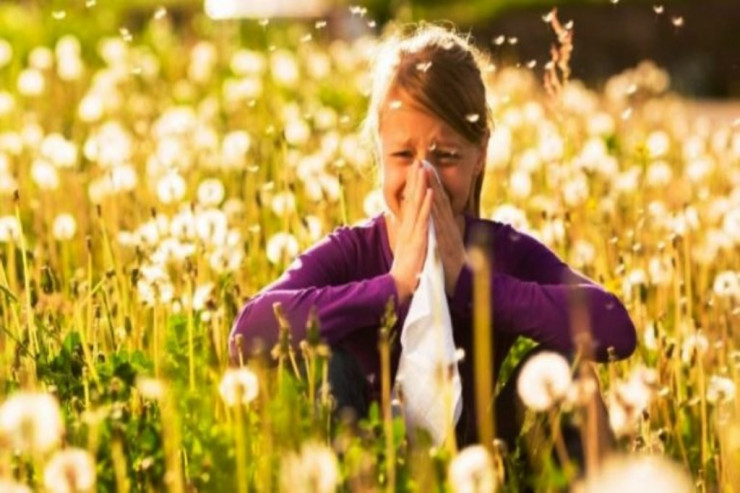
(153, 179)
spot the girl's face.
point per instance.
(409, 134)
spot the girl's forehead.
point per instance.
(409, 124)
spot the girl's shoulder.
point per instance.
(366, 239)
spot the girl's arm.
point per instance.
(537, 301)
(318, 277)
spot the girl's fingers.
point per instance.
(424, 211)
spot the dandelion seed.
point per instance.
(8, 486)
(472, 117)
(150, 388)
(126, 34)
(160, 13)
(568, 26)
(727, 285)
(314, 469)
(472, 470)
(59, 15)
(238, 385)
(544, 380)
(626, 114)
(210, 192)
(513, 40)
(263, 22)
(614, 2)
(395, 104)
(358, 10)
(31, 82)
(658, 9)
(306, 38)
(423, 66)
(90, 3)
(619, 474)
(499, 40)
(548, 18)
(720, 389)
(64, 227)
(677, 21)
(31, 421)
(531, 64)
(282, 246)
(71, 470)
(320, 24)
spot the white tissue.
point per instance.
(427, 348)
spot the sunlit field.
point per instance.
(153, 178)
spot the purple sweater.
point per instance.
(346, 277)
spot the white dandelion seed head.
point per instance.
(731, 224)
(544, 380)
(225, 259)
(727, 284)
(44, 174)
(238, 385)
(70, 471)
(6, 52)
(211, 226)
(58, 150)
(283, 203)
(9, 486)
(583, 253)
(64, 227)
(374, 203)
(520, 184)
(658, 144)
(31, 82)
(720, 389)
(619, 474)
(472, 470)
(659, 174)
(694, 344)
(211, 192)
(150, 388)
(284, 68)
(314, 469)
(248, 62)
(31, 421)
(297, 132)
(171, 188)
(234, 148)
(281, 247)
(10, 229)
(7, 103)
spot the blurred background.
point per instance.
(696, 41)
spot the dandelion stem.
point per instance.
(483, 343)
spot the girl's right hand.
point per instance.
(412, 233)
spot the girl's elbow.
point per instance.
(622, 336)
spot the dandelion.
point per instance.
(472, 471)
(234, 148)
(544, 380)
(313, 470)
(720, 389)
(694, 345)
(210, 192)
(297, 132)
(8, 486)
(64, 227)
(225, 259)
(238, 385)
(70, 471)
(7, 103)
(150, 388)
(6, 52)
(31, 421)
(31, 82)
(160, 13)
(731, 224)
(281, 246)
(283, 203)
(727, 284)
(171, 188)
(619, 474)
(284, 68)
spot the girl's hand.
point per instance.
(412, 232)
(450, 243)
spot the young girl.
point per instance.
(429, 103)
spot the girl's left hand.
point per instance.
(449, 236)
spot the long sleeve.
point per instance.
(535, 299)
(320, 277)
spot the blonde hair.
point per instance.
(440, 70)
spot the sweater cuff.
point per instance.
(388, 290)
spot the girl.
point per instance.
(429, 103)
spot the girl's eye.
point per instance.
(403, 154)
(443, 155)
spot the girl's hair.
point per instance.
(440, 70)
